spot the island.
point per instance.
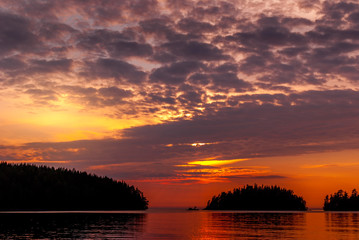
(270, 198)
(342, 201)
(30, 187)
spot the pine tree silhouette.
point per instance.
(341, 201)
(257, 198)
(30, 187)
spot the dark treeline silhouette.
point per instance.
(30, 187)
(341, 201)
(257, 198)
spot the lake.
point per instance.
(179, 224)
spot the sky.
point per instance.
(184, 99)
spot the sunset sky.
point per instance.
(185, 99)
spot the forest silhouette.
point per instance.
(30, 187)
(257, 198)
(342, 201)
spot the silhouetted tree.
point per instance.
(30, 187)
(341, 201)
(257, 198)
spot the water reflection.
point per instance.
(70, 225)
(180, 224)
(345, 222)
(256, 225)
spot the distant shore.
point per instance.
(25, 187)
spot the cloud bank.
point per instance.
(246, 78)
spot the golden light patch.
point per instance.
(198, 144)
(216, 162)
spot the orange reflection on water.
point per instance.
(250, 225)
(180, 224)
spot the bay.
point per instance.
(179, 224)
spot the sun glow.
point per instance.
(198, 144)
(216, 162)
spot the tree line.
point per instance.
(30, 187)
(257, 198)
(342, 201)
(276, 198)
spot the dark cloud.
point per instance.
(334, 12)
(175, 73)
(199, 64)
(260, 126)
(92, 97)
(291, 22)
(91, 39)
(48, 66)
(45, 10)
(117, 11)
(227, 67)
(270, 86)
(258, 177)
(113, 96)
(199, 79)
(107, 12)
(191, 96)
(164, 29)
(56, 31)
(280, 48)
(267, 36)
(19, 72)
(116, 44)
(208, 10)
(275, 117)
(9, 64)
(253, 64)
(354, 17)
(124, 48)
(16, 34)
(158, 26)
(195, 51)
(191, 25)
(156, 98)
(107, 68)
(42, 96)
(114, 92)
(293, 51)
(222, 82)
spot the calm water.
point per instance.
(179, 224)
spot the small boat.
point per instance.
(193, 209)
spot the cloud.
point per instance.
(56, 31)
(11, 64)
(116, 44)
(225, 81)
(16, 34)
(194, 50)
(108, 68)
(123, 48)
(40, 66)
(44, 95)
(193, 26)
(280, 81)
(92, 97)
(281, 125)
(175, 73)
